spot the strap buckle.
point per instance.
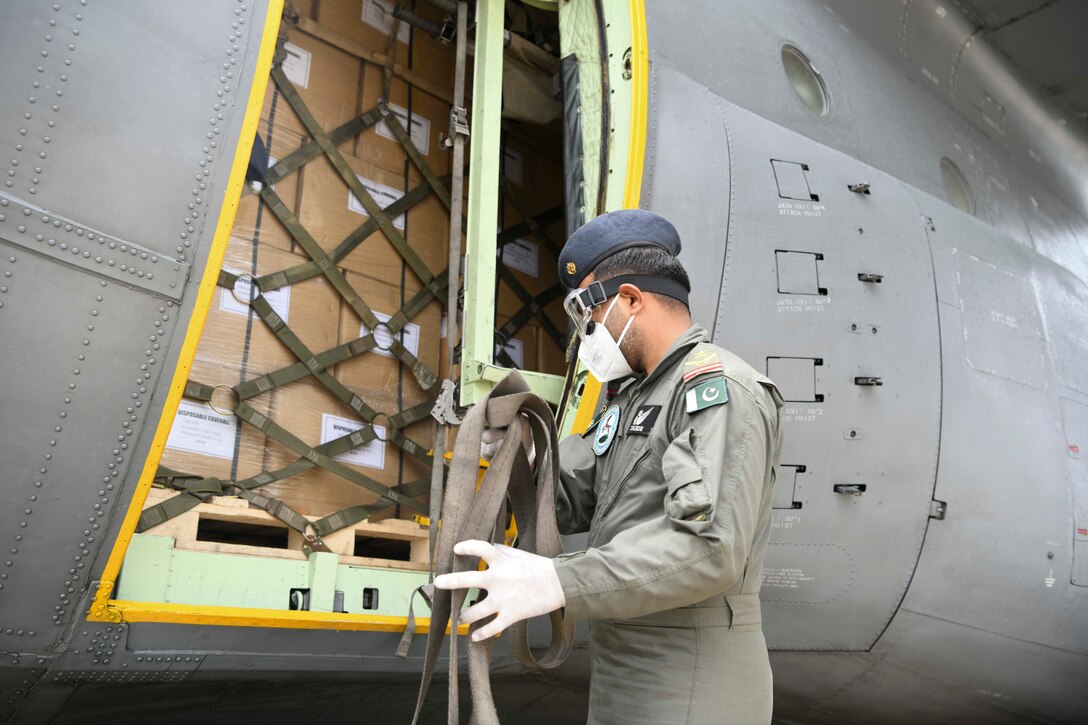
(458, 125)
(445, 405)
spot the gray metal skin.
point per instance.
(878, 609)
(877, 612)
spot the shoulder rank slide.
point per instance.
(703, 361)
(706, 395)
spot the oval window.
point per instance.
(956, 186)
(806, 82)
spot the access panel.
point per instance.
(831, 291)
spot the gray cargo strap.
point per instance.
(469, 512)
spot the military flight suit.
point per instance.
(675, 488)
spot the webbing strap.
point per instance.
(426, 378)
(281, 435)
(469, 512)
(385, 223)
(440, 190)
(312, 149)
(306, 270)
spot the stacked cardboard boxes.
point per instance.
(337, 83)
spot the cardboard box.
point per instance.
(236, 337)
(376, 375)
(209, 443)
(326, 78)
(329, 212)
(260, 224)
(314, 415)
(370, 23)
(423, 116)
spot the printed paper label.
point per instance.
(515, 348)
(522, 255)
(371, 455)
(279, 299)
(409, 336)
(384, 195)
(419, 131)
(199, 429)
(296, 66)
(513, 165)
(379, 14)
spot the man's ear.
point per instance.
(635, 297)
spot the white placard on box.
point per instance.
(513, 166)
(409, 336)
(522, 255)
(279, 299)
(296, 65)
(199, 429)
(419, 131)
(515, 348)
(379, 14)
(384, 195)
(371, 455)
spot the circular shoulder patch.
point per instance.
(606, 430)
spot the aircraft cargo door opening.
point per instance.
(296, 474)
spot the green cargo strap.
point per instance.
(194, 491)
(518, 320)
(312, 149)
(281, 435)
(305, 356)
(534, 224)
(198, 391)
(470, 510)
(297, 371)
(307, 270)
(533, 306)
(393, 124)
(373, 210)
(426, 378)
(353, 514)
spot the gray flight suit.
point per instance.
(678, 511)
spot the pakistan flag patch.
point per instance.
(705, 395)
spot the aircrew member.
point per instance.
(674, 483)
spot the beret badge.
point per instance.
(571, 268)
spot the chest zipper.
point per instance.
(623, 484)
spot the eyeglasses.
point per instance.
(579, 306)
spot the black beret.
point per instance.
(609, 233)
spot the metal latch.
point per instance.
(445, 406)
(858, 188)
(851, 489)
(868, 380)
(458, 125)
(869, 277)
(937, 509)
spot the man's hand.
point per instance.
(519, 585)
(490, 441)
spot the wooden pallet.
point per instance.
(229, 525)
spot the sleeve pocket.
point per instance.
(688, 495)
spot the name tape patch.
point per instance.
(644, 420)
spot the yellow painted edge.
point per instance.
(102, 603)
(122, 611)
(632, 190)
(640, 84)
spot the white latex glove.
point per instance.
(519, 585)
(490, 441)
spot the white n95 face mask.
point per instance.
(601, 354)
